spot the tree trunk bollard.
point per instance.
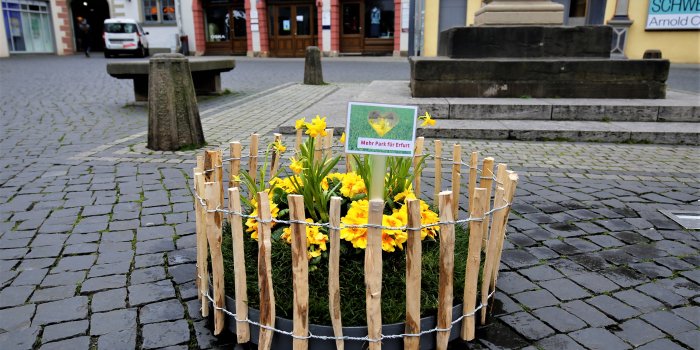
(173, 115)
(313, 74)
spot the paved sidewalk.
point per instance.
(97, 245)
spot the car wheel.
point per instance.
(107, 54)
(148, 53)
(141, 52)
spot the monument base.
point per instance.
(538, 77)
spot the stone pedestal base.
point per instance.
(514, 12)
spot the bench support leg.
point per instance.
(141, 89)
(207, 83)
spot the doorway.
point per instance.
(292, 29)
(225, 27)
(351, 33)
(95, 12)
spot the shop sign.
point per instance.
(381, 129)
(673, 15)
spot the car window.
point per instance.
(120, 28)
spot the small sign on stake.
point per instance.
(381, 129)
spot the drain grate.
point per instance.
(690, 220)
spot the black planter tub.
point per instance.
(283, 342)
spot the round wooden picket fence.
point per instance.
(489, 197)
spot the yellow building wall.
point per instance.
(678, 46)
(430, 27)
(472, 6)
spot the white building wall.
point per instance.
(60, 47)
(4, 48)
(160, 37)
(187, 22)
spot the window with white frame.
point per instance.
(159, 11)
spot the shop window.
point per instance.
(379, 19)
(224, 24)
(27, 26)
(159, 11)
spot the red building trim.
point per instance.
(319, 25)
(397, 26)
(249, 29)
(262, 26)
(335, 25)
(198, 18)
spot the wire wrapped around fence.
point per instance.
(488, 210)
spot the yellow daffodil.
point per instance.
(427, 120)
(342, 138)
(296, 166)
(299, 123)
(279, 147)
(317, 127)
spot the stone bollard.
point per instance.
(173, 115)
(313, 74)
(652, 54)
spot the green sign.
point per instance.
(380, 129)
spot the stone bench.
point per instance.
(205, 74)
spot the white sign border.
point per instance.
(347, 128)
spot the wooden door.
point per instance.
(352, 27)
(293, 28)
(304, 28)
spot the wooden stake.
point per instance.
(198, 222)
(202, 245)
(334, 272)
(328, 143)
(318, 148)
(456, 178)
(214, 221)
(373, 274)
(473, 164)
(473, 259)
(491, 252)
(267, 295)
(300, 272)
(511, 184)
(413, 274)
(214, 171)
(275, 164)
(200, 161)
(438, 170)
(239, 263)
(235, 155)
(297, 140)
(416, 158)
(253, 160)
(486, 182)
(447, 256)
(348, 163)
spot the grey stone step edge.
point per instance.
(537, 130)
(677, 107)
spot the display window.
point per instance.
(27, 26)
(379, 19)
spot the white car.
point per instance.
(124, 36)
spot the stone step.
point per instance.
(334, 107)
(677, 107)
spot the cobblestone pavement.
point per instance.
(97, 244)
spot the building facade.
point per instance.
(284, 28)
(672, 26)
